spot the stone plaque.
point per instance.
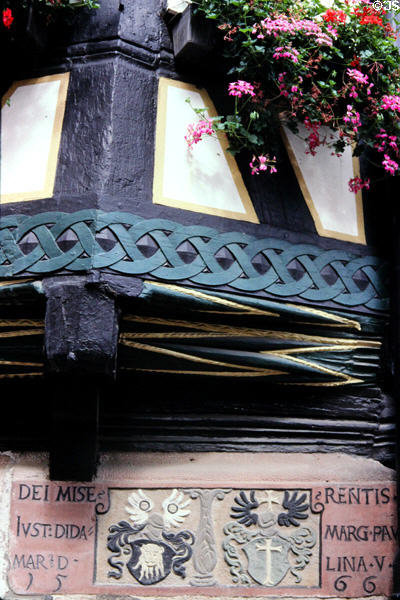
(289, 539)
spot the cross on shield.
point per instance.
(268, 560)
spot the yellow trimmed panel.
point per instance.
(323, 179)
(32, 114)
(206, 178)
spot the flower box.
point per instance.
(23, 29)
(36, 29)
(318, 67)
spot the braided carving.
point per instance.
(123, 232)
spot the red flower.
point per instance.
(355, 62)
(371, 20)
(334, 16)
(7, 18)
(369, 16)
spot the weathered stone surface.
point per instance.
(201, 525)
(27, 466)
(209, 467)
(6, 465)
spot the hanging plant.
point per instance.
(329, 68)
(13, 10)
(27, 25)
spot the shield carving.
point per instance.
(150, 561)
(268, 560)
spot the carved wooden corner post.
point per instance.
(81, 335)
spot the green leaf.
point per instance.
(366, 54)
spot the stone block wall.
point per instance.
(198, 525)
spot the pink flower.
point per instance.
(332, 31)
(286, 52)
(393, 143)
(195, 132)
(238, 88)
(352, 118)
(263, 160)
(357, 75)
(356, 184)
(383, 140)
(353, 93)
(391, 102)
(313, 139)
(290, 25)
(324, 40)
(262, 163)
(391, 166)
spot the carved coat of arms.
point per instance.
(265, 541)
(151, 547)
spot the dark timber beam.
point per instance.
(81, 335)
(74, 432)
(81, 327)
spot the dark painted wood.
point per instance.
(391, 191)
(193, 37)
(174, 414)
(81, 327)
(74, 428)
(115, 56)
(211, 415)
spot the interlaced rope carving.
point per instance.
(354, 281)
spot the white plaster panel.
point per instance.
(177, 6)
(26, 136)
(200, 176)
(326, 178)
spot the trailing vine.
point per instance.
(329, 69)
